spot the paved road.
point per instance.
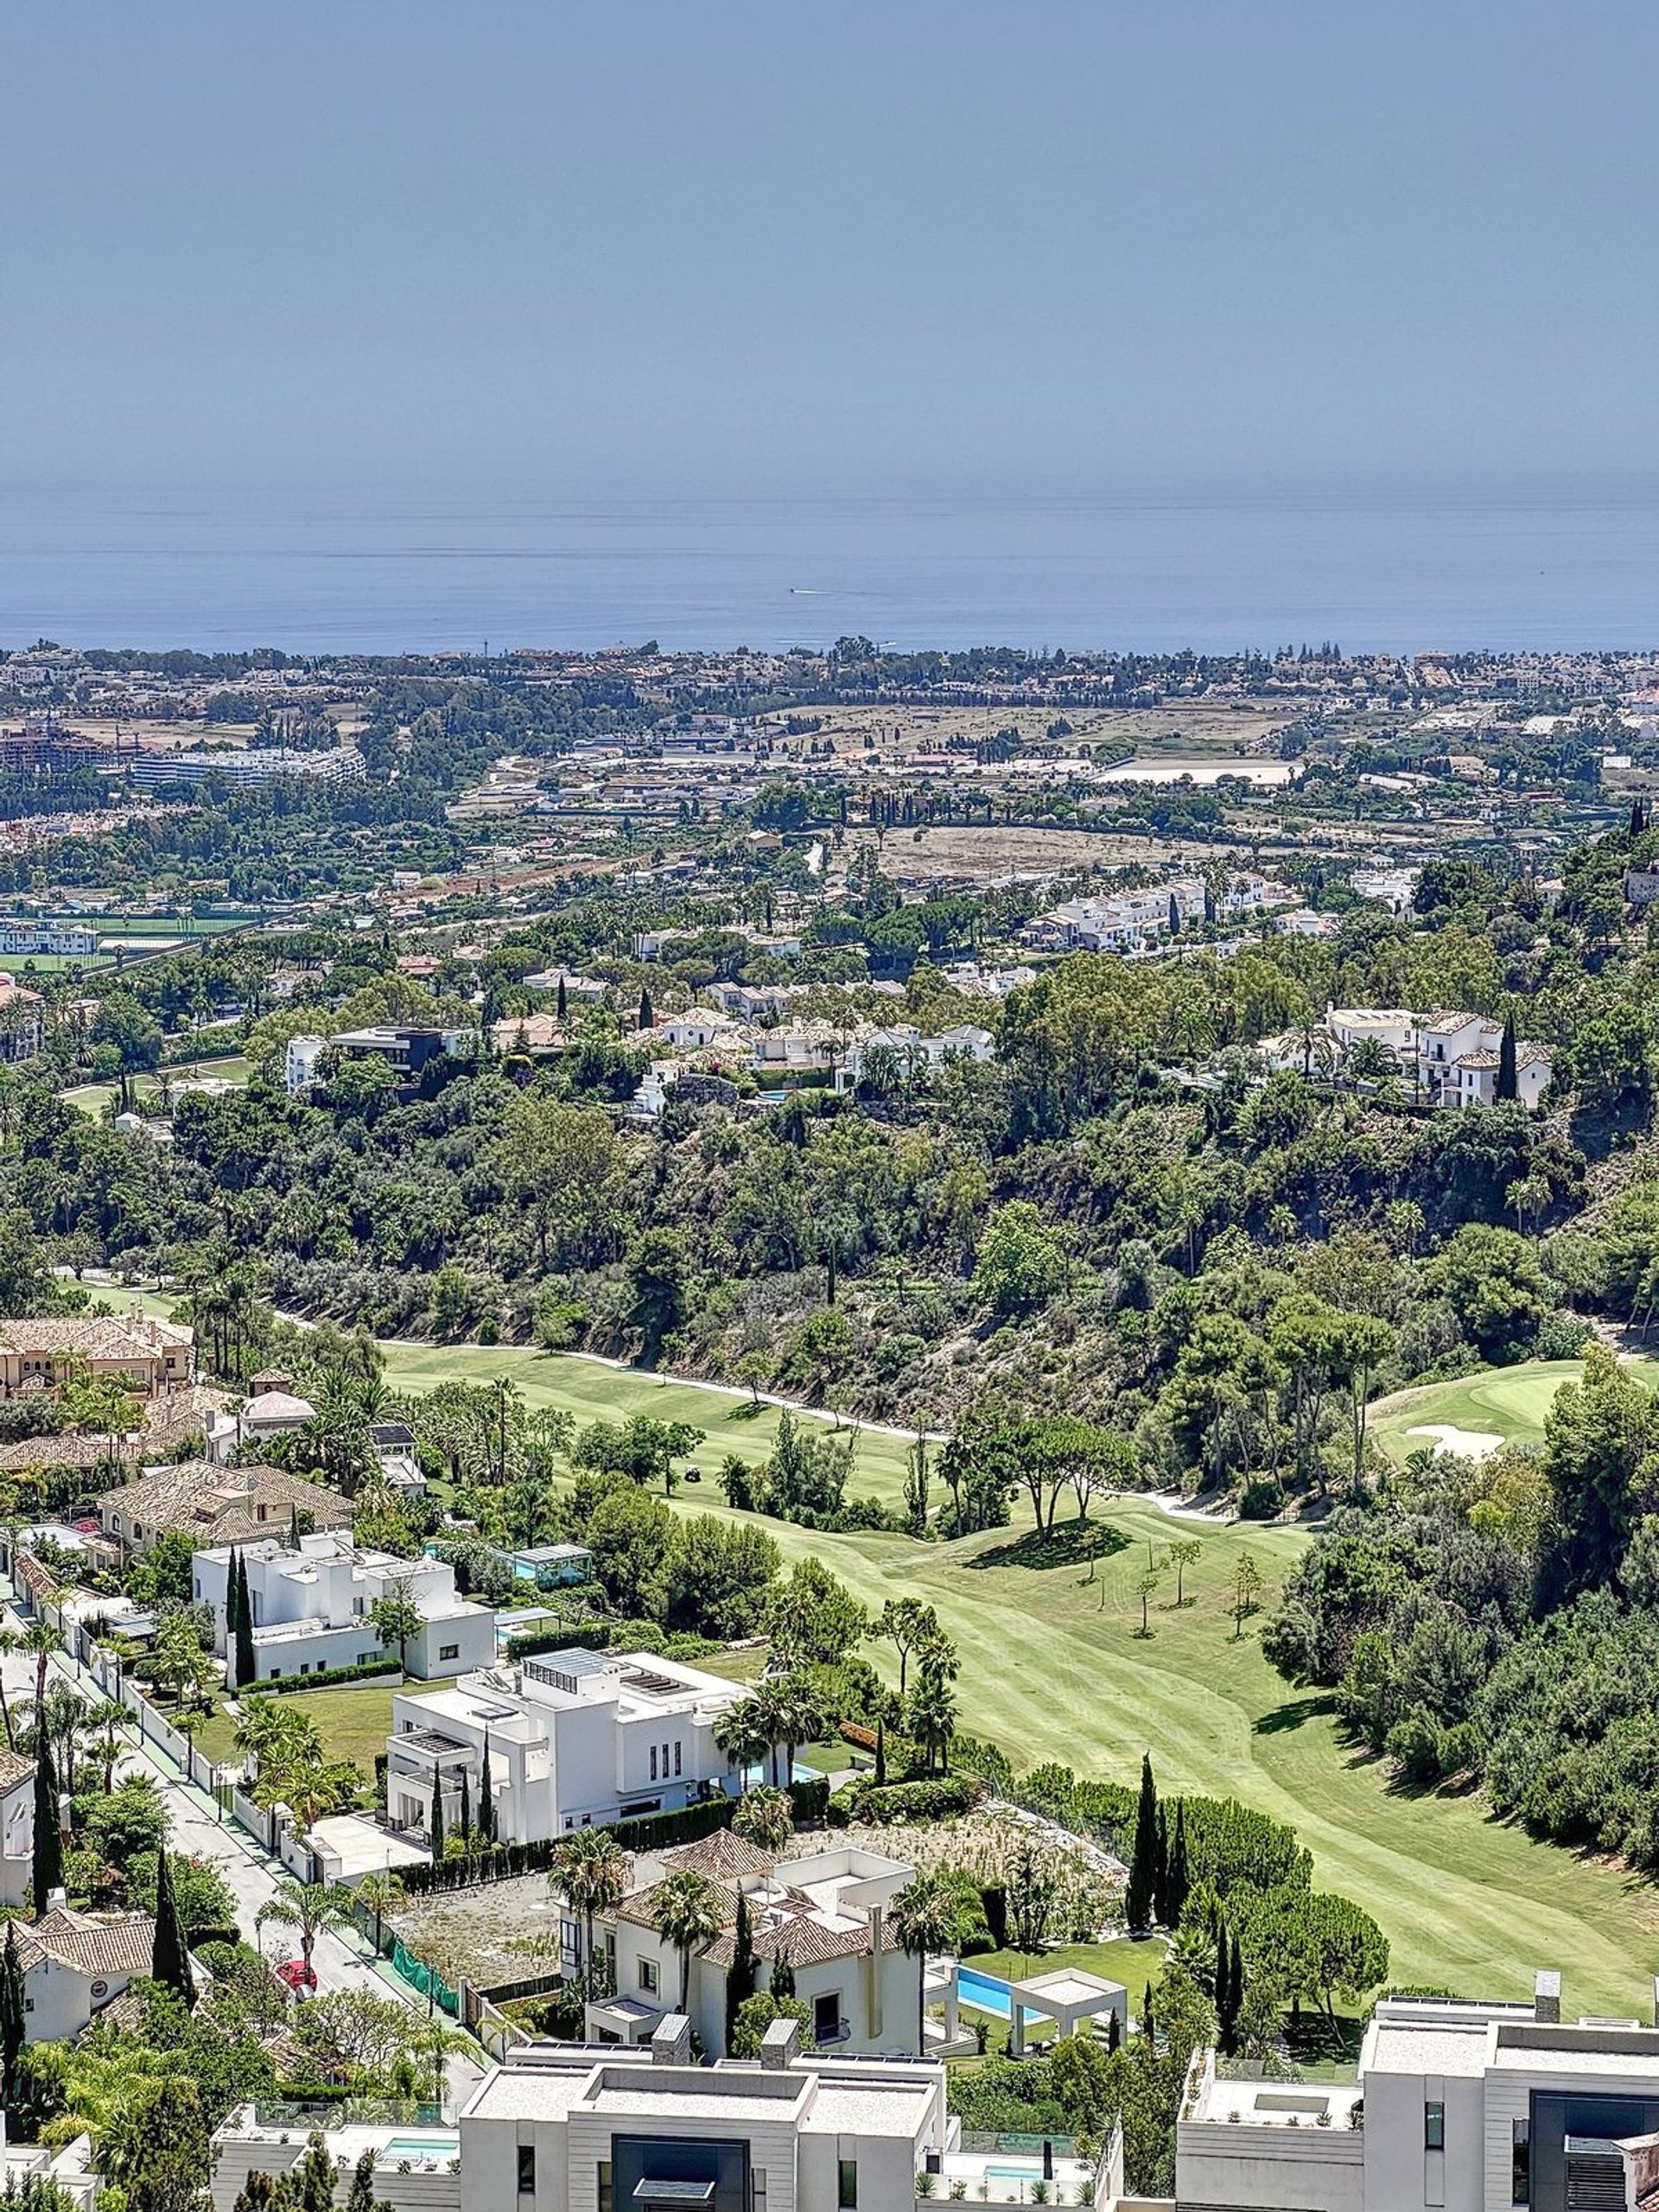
(342, 1960)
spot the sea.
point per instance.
(1216, 565)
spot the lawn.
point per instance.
(1132, 1959)
(1053, 1667)
(1507, 1401)
(593, 1390)
(355, 1721)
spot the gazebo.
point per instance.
(1068, 1996)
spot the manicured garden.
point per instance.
(355, 1722)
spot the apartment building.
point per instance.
(1459, 2107)
(825, 1914)
(67, 940)
(313, 1608)
(561, 2127)
(575, 1738)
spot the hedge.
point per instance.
(937, 1800)
(647, 1831)
(325, 1678)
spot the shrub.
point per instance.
(861, 1801)
(331, 1677)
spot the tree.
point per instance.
(1022, 1261)
(436, 1819)
(379, 1894)
(916, 1485)
(924, 1917)
(360, 2197)
(485, 1797)
(1138, 1900)
(1247, 1584)
(906, 1623)
(1144, 1587)
(932, 1710)
(590, 1872)
(741, 1736)
(170, 1962)
(813, 1618)
(48, 1871)
(1601, 1451)
(247, 1662)
(397, 1618)
(757, 2013)
(739, 1975)
(647, 1012)
(1185, 1551)
(763, 1818)
(156, 2148)
(307, 1907)
(13, 2023)
(788, 1712)
(39, 1640)
(1177, 1881)
(686, 1913)
(1506, 1089)
(659, 1270)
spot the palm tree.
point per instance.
(740, 1738)
(925, 1917)
(590, 1872)
(439, 2044)
(104, 1738)
(687, 1913)
(41, 1640)
(765, 1820)
(9, 1642)
(793, 1714)
(380, 1893)
(307, 1906)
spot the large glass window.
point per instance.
(526, 2169)
(847, 2197)
(1434, 2124)
(1521, 2161)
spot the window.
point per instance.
(1434, 2124)
(606, 2192)
(847, 2191)
(448, 1651)
(677, 1762)
(653, 1761)
(275, 1676)
(648, 1975)
(826, 2017)
(1520, 2161)
(526, 2169)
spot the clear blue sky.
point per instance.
(777, 242)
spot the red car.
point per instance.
(297, 1974)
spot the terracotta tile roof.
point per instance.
(723, 1856)
(97, 1335)
(218, 1505)
(167, 1422)
(13, 1769)
(100, 1944)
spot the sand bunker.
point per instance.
(1467, 1443)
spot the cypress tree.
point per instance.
(1138, 1899)
(230, 1592)
(13, 2007)
(49, 1837)
(1238, 1983)
(562, 1008)
(1114, 2033)
(1146, 2027)
(1160, 1871)
(169, 1961)
(647, 1012)
(1178, 1880)
(1636, 823)
(1507, 1086)
(486, 1798)
(466, 1809)
(783, 1978)
(437, 1813)
(247, 1662)
(739, 1978)
(881, 1755)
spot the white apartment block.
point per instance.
(576, 1738)
(1125, 920)
(824, 1912)
(1459, 2107)
(313, 1608)
(561, 2127)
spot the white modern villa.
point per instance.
(1459, 2107)
(576, 1738)
(313, 1607)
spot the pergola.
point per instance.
(1067, 1996)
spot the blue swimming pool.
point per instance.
(984, 1992)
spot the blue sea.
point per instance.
(1217, 566)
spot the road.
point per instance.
(342, 1960)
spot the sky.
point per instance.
(761, 243)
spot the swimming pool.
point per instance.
(421, 2147)
(984, 1992)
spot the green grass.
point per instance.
(594, 1392)
(1507, 1401)
(1132, 1961)
(355, 1722)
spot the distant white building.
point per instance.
(313, 1608)
(576, 1738)
(912, 1049)
(1447, 1059)
(301, 1062)
(1126, 920)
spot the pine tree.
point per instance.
(169, 1960)
(1138, 1900)
(1507, 1086)
(13, 2008)
(485, 1797)
(48, 1836)
(247, 1661)
(1160, 1873)
(437, 1813)
(1177, 1882)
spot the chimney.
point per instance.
(1547, 1998)
(780, 2046)
(671, 2041)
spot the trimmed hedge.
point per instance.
(938, 1799)
(329, 1678)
